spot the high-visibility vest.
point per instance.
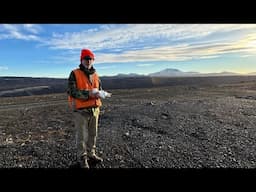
(83, 83)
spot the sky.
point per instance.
(53, 50)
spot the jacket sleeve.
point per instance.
(72, 88)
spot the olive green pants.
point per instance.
(86, 125)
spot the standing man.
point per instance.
(84, 99)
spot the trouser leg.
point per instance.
(81, 126)
(92, 132)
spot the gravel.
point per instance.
(206, 127)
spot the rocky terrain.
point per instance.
(178, 126)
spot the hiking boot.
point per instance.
(95, 158)
(84, 163)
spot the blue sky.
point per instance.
(53, 50)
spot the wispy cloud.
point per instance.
(18, 31)
(142, 42)
(153, 42)
(144, 65)
(247, 55)
(137, 35)
(184, 51)
(32, 28)
(107, 67)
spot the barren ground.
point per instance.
(167, 127)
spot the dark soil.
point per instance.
(167, 127)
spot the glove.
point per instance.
(104, 94)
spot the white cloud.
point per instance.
(32, 28)
(180, 52)
(136, 35)
(107, 67)
(247, 55)
(18, 31)
(144, 65)
(183, 51)
(154, 42)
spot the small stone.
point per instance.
(9, 140)
(118, 157)
(156, 159)
(122, 161)
(164, 115)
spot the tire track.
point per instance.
(32, 105)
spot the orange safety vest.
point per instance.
(83, 83)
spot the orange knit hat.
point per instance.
(86, 53)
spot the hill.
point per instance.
(24, 86)
(169, 72)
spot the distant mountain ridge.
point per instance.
(23, 86)
(169, 72)
(172, 72)
(129, 75)
(252, 73)
(33, 86)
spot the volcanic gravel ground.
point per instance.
(167, 127)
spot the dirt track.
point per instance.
(173, 127)
(31, 105)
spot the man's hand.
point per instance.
(104, 94)
(93, 94)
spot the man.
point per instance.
(84, 99)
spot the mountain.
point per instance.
(252, 73)
(224, 73)
(122, 75)
(24, 86)
(129, 75)
(21, 86)
(172, 73)
(177, 73)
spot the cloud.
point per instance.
(153, 42)
(183, 52)
(17, 31)
(247, 55)
(130, 36)
(144, 65)
(32, 28)
(107, 67)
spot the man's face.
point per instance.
(87, 62)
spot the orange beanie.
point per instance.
(86, 52)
